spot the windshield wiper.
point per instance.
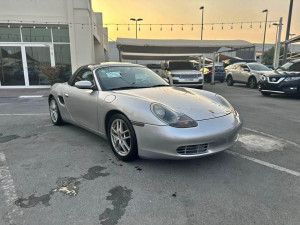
(159, 85)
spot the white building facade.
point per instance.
(44, 41)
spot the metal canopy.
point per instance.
(155, 49)
(293, 40)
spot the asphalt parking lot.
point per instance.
(66, 175)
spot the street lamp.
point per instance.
(202, 8)
(263, 50)
(136, 21)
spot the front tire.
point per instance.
(265, 93)
(122, 138)
(252, 83)
(54, 112)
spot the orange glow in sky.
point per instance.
(187, 12)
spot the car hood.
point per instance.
(280, 73)
(184, 100)
(180, 72)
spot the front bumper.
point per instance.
(188, 82)
(162, 142)
(284, 87)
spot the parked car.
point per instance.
(142, 115)
(246, 73)
(156, 68)
(219, 73)
(283, 80)
(182, 73)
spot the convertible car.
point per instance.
(142, 115)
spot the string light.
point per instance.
(241, 25)
(150, 27)
(212, 27)
(192, 27)
(139, 27)
(117, 27)
(182, 27)
(172, 27)
(8, 26)
(231, 26)
(222, 27)
(128, 27)
(251, 25)
(161, 27)
(260, 25)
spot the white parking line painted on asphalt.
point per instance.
(270, 165)
(24, 114)
(7, 184)
(272, 136)
(31, 96)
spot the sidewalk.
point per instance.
(15, 93)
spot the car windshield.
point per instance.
(286, 67)
(128, 77)
(181, 66)
(258, 67)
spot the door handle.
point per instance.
(66, 95)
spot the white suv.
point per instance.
(245, 73)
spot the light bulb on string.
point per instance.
(260, 25)
(172, 27)
(241, 25)
(139, 27)
(251, 25)
(161, 27)
(117, 27)
(150, 27)
(192, 27)
(212, 27)
(231, 26)
(8, 26)
(269, 25)
(128, 27)
(182, 27)
(82, 26)
(222, 26)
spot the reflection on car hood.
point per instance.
(183, 100)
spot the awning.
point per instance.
(293, 40)
(162, 49)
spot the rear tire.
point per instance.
(229, 80)
(122, 138)
(54, 112)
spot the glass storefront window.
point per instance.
(63, 61)
(11, 34)
(38, 63)
(11, 66)
(38, 34)
(60, 35)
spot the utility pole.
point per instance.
(202, 9)
(287, 31)
(263, 50)
(277, 46)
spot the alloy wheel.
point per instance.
(120, 137)
(53, 110)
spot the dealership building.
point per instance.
(43, 41)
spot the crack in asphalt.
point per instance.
(120, 197)
(4, 139)
(66, 185)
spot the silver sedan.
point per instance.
(142, 115)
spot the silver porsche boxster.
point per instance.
(142, 115)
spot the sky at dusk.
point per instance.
(187, 12)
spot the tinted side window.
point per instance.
(295, 67)
(84, 74)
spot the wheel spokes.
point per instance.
(120, 137)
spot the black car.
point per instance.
(284, 80)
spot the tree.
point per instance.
(269, 55)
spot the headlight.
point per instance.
(172, 118)
(291, 78)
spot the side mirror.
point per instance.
(84, 84)
(247, 69)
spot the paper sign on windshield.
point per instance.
(113, 74)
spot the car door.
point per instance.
(245, 73)
(82, 103)
(235, 71)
